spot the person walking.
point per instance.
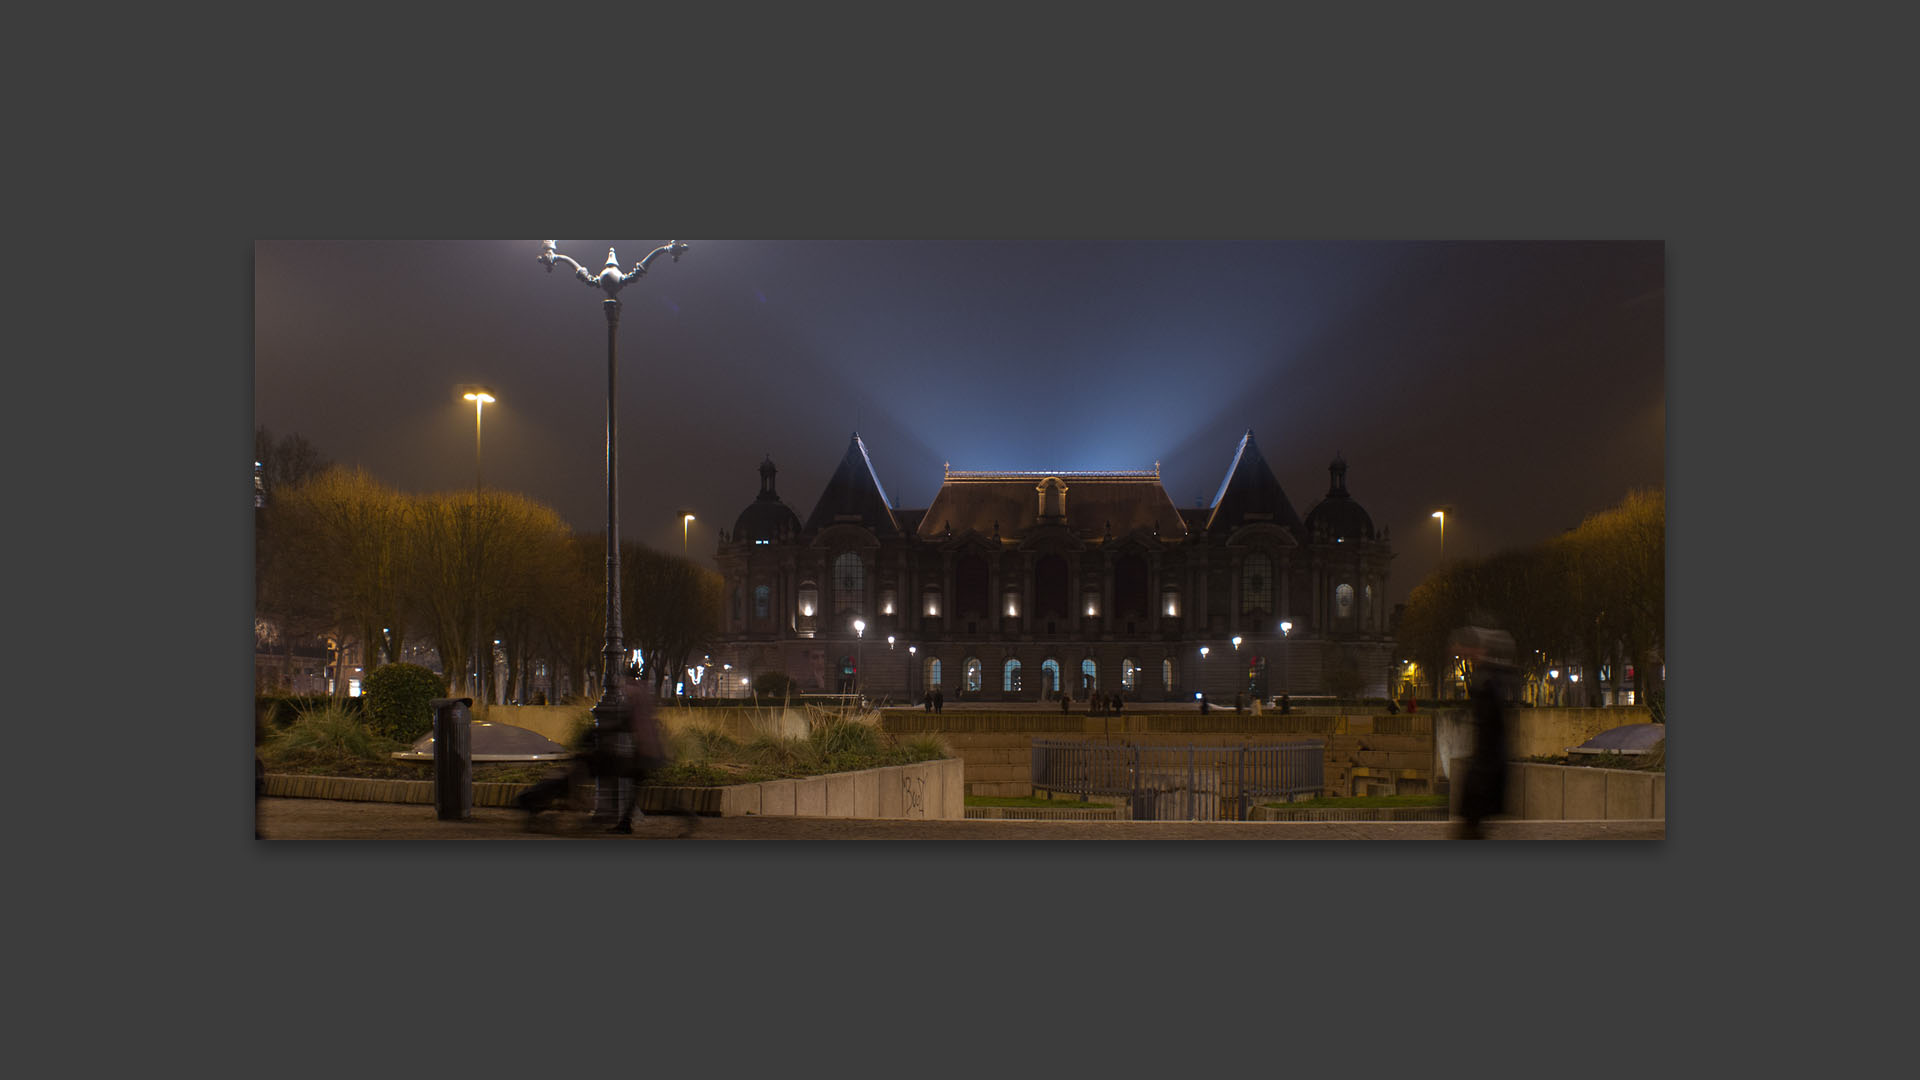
(939, 699)
(1492, 690)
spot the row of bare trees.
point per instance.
(338, 553)
(1594, 595)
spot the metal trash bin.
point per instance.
(452, 758)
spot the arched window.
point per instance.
(1089, 675)
(1010, 677)
(1167, 674)
(973, 674)
(760, 595)
(1050, 675)
(1127, 672)
(849, 584)
(1343, 601)
(933, 671)
(1256, 584)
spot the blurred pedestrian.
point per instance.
(1066, 703)
(939, 699)
(1203, 703)
(926, 701)
(1286, 705)
(1392, 709)
(1491, 693)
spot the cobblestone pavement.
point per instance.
(321, 819)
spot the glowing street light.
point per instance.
(685, 520)
(859, 652)
(610, 280)
(1286, 633)
(481, 398)
(1442, 515)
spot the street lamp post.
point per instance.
(1203, 672)
(1286, 682)
(913, 653)
(1442, 515)
(610, 280)
(685, 520)
(859, 655)
(480, 396)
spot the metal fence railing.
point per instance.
(1182, 783)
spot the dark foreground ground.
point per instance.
(321, 819)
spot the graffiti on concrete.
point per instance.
(912, 787)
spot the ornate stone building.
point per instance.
(1019, 586)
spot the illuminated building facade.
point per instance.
(1021, 586)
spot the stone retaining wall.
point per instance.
(1576, 793)
(931, 789)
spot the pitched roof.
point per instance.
(854, 494)
(1096, 503)
(1250, 493)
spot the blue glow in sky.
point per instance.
(1522, 384)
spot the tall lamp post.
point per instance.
(1286, 681)
(480, 397)
(610, 280)
(1203, 673)
(859, 654)
(685, 520)
(913, 653)
(1442, 515)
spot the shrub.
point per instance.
(399, 700)
(774, 686)
(326, 736)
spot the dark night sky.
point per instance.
(1523, 384)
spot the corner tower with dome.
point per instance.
(1026, 585)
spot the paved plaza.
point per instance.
(323, 819)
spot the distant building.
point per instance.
(1025, 585)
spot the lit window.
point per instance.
(849, 583)
(973, 674)
(1050, 675)
(1170, 602)
(1343, 601)
(1256, 584)
(1091, 604)
(886, 601)
(1089, 675)
(1012, 604)
(930, 603)
(1010, 680)
(809, 600)
(933, 672)
(1127, 672)
(760, 595)
(1167, 673)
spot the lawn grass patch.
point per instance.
(1361, 802)
(1034, 800)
